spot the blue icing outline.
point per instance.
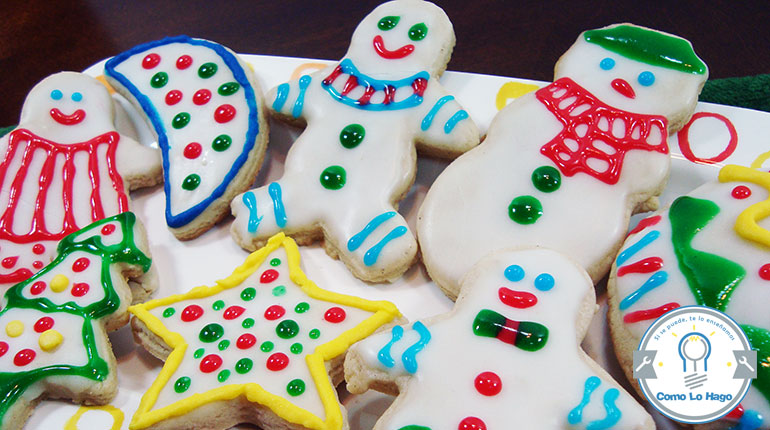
(188, 215)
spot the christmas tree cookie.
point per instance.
(564, 167)
(507, 356)
(206, 109)
(259, 347)
(63, 167)
(54, 341)
(356, 159)
(708, 248)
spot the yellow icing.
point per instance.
(302, 68)
(746, 224)
(59, 283)
(512, 90)
(383, 313)
(117, 416)
(50, 340)
(14, 328)
(756, 164)
(104, 82)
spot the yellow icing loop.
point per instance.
(117, 416)
(382, 313)
(512, 90)
(756, 164)
(746, 224)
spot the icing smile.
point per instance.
(382, 51)
(624, 88)
(75, 118)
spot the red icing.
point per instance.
(350, 85)
(37, 264)
(80, 264)
(15, 277)
(647, 222)
(43, 324)
(277, 361)
(150, 61)
(382, 51)
(37, 288)
(683, 136)
(38, 248)
(246, 341)
(191, 313)
(649, 314)
(419, 86)
(274, 312)
(390, 94)
(224, 113)
(108, 229)
(488, 384)
(201, 97)
(741, 192)
(3, 348)
(335, 315)
(233, 312)
(648, 265)
(193, 150)
(764, 272)
(472, 423)
(623, 87)
(72, 119)
(517, 299)
(24, 357)
(80, 289)
(210, 363)
(736, 413)
(9, 262)
(184, 62)
(173, 97)
(509, 332)
(268, 276)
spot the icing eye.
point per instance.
(607, 64)
(76, 97)
(646, 78)
(56, 95)
(544, 282)
(388, 23)
(418, 32)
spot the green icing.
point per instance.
(546, 179)
(759, 339)
(6, 130)
(711, 278)
(333, 177)
(414, 427)
(525, 210)
(218, 305)
(648, 46)
(199, 353)
(168, 312)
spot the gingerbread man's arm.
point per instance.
(138, 165)
(287, 100)
(445, 129)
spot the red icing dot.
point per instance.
(192, 150)
(108, 229)
(246, 341)
(9, 262)
(3, 348)
(233, 312)
(764, 272)
(24, 357)
(37, 288)
(210, 363)
(173, 97)
(741, 192)
(150, 61)
(224, 113)
(274, 312)
(80, 289)
(38, 249)
(183, 62)
(335, 315)
(80, 264)
(43, 324)
(37, 264)
(201, 97)
(268, 276)
(472, 423)
(191, 313)
(277, 361)
(488, 384)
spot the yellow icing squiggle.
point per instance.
(746, 224)
(756, 164)
(512, 90)
(117, 416)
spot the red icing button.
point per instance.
(80, 289)
(191, 313)
(24, 357)
(3, 348)
(38, 249)
(80, 264)
(183, 62)
(37, 288)
(150, 61)
(268, 276)
(192, 150)
(472, 423)
(173, 97)
(43, 324)
(210, 363)
(277, 361)
(233, 312)
(37, 264)
(201, 97)
(274, 312)
(246, 341)
(764, 272)
(488, 384)
(741, 192)
(224, 113)
(9, 262)
(335, 315)
(108, 229)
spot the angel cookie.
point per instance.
(64, 167)
(515, 330)
(356, 158)
(54, 340)
(566, 166)
(205, 107)
(708, 248)
(259, 347)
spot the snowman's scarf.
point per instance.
(572, 149)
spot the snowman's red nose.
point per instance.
(623, 87)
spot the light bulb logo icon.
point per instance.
(694, 347)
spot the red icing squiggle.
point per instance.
(684, 139)
(382, 51)
(647, 222)
(74, 118)
(648, 265)
(649, 314)
(517, 299)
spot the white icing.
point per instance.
(441, 393)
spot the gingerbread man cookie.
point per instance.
(564, 167)
(356, 158)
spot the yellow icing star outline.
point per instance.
(384, 312)
(746, 223)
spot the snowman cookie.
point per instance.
(356, 158)
(708, 248)
(63, 167)
(564, 167)
(205, 107)
(53, 342)
(515, 331)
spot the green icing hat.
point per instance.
(648, 46)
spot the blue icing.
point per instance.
(304, 82)
(544, 282)
(657, 279)
(428, 120)
(274, 189)
(575, 416)
(250, 201)
(281, 94)
(613, 413)
(384, 355)
(514, 273)
(452, 122)
(409, 357)
(358, 239)
(633, 249)
(373, 253)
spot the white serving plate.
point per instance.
(212, 256)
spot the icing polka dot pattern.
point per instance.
(151, 61)
(192, 150)
(201, 97)
(764, 272)
(472, 423)
(741, 192)
(173, 97)
(183, 62)
(488, 384)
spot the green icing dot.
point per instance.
(244, 365)
(287, 329)
(279, 291)
(199, 353)
(180, 120)
(275, 262)
(302, 307)
(221, 142)
(418, 32)
(388, 22)
(315, 333)
(168, 312)
(248, 294)
(266, 346)
(159, 80)
(296, 348)
(525, 209)
(223, 375)
(295, 387)
(352, 135)
(211, 333)
(207, 70)
(218, 305)
(191, 182)
(546, 179)
(223, 345)
(228, 88)
(248, 323)
(182, 384)
(333, 178)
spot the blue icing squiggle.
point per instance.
(373, 253)
(384, 355)
(281, 94)
(409, 357)
(358, 239)
(452, 122)
(657, 279)
(613, 413)
(428, 120)
(633, 249)
(751, 420)
(274, 189)
(304, 82)
(575, 416)
(250, 201)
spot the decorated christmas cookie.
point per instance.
(206, 110)
(507, 356)
(64, 167)
(54, 340)
(565, 166)
(709, 248)
(356, 158)
(258, 347)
